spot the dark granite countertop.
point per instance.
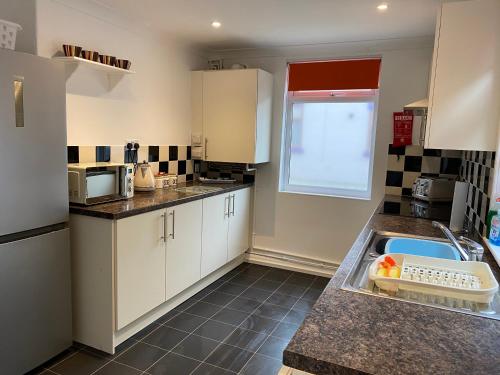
(354, 333)
(150, 201)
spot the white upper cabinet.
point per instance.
(464, 97)
(232, 115)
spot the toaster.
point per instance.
(433, 189)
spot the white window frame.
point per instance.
(364, 96)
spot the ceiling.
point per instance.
(266, 23)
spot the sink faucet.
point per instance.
(474, 251)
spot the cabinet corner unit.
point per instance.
(232, 111)
(128, 272)
(464, 92)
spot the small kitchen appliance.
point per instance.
(144, 177)
(93, 183)
(433, 189)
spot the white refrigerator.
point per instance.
(35, 279)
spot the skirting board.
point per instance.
(272, 258)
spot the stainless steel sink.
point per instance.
(198, 189)
(358, 281)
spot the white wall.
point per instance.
(152, 106)
(324, 228)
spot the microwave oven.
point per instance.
(93, 183)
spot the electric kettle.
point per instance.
(144, 179)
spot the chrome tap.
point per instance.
(474, 251)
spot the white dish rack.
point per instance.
(8, 32)
(472, 281)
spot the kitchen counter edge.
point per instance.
(143, 202)
(353, 333)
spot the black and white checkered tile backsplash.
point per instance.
(477, 169)
(405, 164)
(169, 159)
(223, 170)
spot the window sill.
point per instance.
(281, 191)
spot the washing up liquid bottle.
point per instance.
(495, 230)
(492, 212)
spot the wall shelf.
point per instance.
(93, 64)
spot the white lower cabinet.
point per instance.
(226, 226)
(140, 266)
(239, 223)
(184, 228)
(214, 233)
(123, 269)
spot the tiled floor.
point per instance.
(239, 324)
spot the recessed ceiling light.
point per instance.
(382, 7)
(216, 24)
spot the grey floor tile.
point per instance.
(304, 305)
(229, 357)
(300, 280)
(173, 364)
(266, 285)
(166, 317)
(140, 356)
(271, 311)
(114, 368)
(186, 322)
(206, 369)
(261, 365)
(295, 317)
(312, 294)
(256, 294)
(285, 330)
(217, 283)
(82, 363)
(165, 338)
(259, 324)
(145, 331)
(282, 300)
(214, 330)
(244, 279)
(203, 309)
(320, 283)
(291, 290)
(196, 347)
(186, 304)
(231, 288)
(277, 275)
(273, 347)
(218, 298)
(202, 293)
(230, 316)
(244, 304)
(245, 339)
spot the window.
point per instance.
(328, 140)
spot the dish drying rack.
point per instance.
(470, 281)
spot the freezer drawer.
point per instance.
(35, 290)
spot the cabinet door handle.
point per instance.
(164, 231)
(206, 148)
(232, 209)
(173, 224)
(226, 206)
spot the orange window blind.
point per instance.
(334, 75)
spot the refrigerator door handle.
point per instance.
(19, 100)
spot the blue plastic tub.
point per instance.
(426, 248)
